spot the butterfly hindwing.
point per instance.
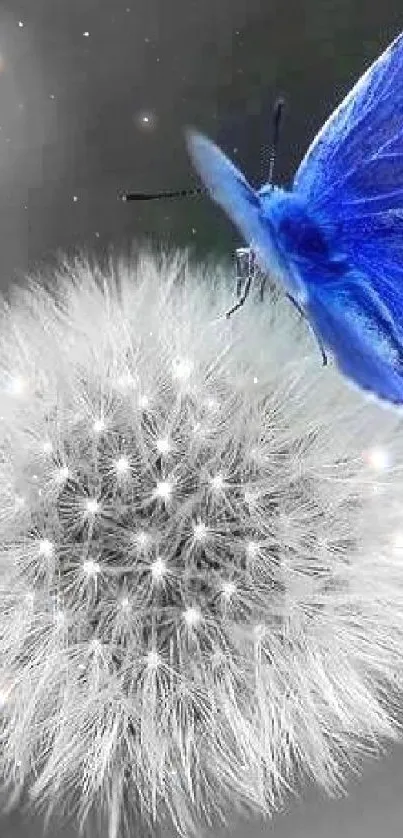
(351, 179)
(362, 336)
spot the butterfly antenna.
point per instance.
(151, 196)
(277, 114)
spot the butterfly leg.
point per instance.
(242, 298)
(262, 284)
(302, 313)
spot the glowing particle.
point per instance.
(92, 506)
(91, 568)
(122, 465)
(17, 385)
(63, 474)
(378, 458)
(153, 659)
(158, 568)
(228, 590)
(164, 489)
(192, 616)
(99, 425)
(146, 120)
(200, 531)
(125, 603)
(252, 548)
(182, 367)
(46, 548)
(163, 445)
(217, 482)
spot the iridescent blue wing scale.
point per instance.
(356, 157)
(352, 175)
(351, 178)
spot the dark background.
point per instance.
(85, 116)
(72, 108)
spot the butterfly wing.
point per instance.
(229, 188)
(356, 156)
(358, 328)
(351, 178)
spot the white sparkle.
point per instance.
(200, 531)
(378, 458)
(158, 568)
(146, 120)
(75, 199)
(217, 482)
(17, 385)
(86, 34)
(125, 603)
(122, 465)
(252, 548)
(228, 590)
(46, 548)
(153, 659)
(91, 568)
(192, 616)
(20, 24)
(164, 489)
(182, 368)
(92, 506)
(125, 381)
(47, 447)
(63, 474)
(99, 425)
(144, 401)
(163, 445)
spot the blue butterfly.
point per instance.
(334, 242)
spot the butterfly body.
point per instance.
(335, 240)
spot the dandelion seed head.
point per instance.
(183, 551)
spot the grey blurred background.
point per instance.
(94, 96)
